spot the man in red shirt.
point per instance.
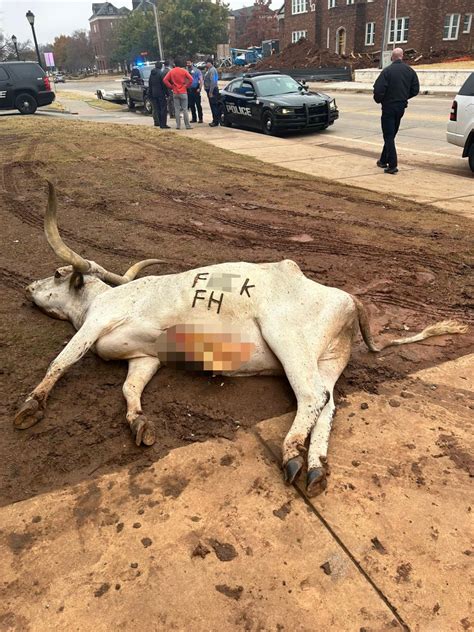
(179, 80)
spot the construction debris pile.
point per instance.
(304, 54)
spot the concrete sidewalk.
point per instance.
(209, 538)
(367, 88)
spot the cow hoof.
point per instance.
(292, 469)
(316, 481)
(28, 415)
(143, 430)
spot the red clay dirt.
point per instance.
(127, 194)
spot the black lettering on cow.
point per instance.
(215, 300)
(197, 296)
(245, 288)
(201, 276)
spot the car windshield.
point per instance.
(279, 84)
(146, 71)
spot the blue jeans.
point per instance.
(391, 116)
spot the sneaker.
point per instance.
(213, 124)
(189, 127)
(391, 170)
(165, 127)
(194, 120)
(382, 165)
(178, 128)
(201, 121)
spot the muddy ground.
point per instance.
(127, 194)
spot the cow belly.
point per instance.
(217, 348)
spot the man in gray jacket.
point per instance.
(394, 86)
(211, 79)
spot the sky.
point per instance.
(56, 17)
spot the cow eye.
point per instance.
(57, 274)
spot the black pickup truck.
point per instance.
(135, 88)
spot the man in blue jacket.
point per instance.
(194, 92)
(394, 86)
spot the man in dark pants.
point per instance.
(211, 86)
(158, 92)
(194, 92)
(394, 86)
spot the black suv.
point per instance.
(24, 86)
(272, 102)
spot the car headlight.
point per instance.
(332, 105)
(286, 110)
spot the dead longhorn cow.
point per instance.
(231, 318)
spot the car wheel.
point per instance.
(225, 118)
(268, 123)
(471, 157)
(148, 106)
(130, 101)
(26, 104)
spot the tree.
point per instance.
(26, 50)
(73, 52)
(187, 27)
(262, 24)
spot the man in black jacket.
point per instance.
(394, 86)
(158, 92)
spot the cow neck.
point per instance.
(92, 288)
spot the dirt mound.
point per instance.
(192, 204)
(305, 54)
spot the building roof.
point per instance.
(107, 9)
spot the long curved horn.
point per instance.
(130, 274)
(54, 239)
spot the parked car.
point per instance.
(272, 102)
(135, 88)
(461, 120)
(24, 86)
(115, 96)
(59, 78)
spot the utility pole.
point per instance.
(386, 29)
(157, 25)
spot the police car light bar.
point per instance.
(249, 75)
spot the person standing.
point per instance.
(194, 92)
(179, 80)
(158, 92)
(394, 86)
(169, 94)
(211, 86)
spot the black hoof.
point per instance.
(316, 481)
(292, 469)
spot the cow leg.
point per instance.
(140, 372)
(298, 354)
(330, 369)
(32, 410)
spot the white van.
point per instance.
(461, 120)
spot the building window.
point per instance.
(331, 4)
(370, 33)
(399, 31)
(299, 6)
(297, 35)
(451, 26)
(350, 1)
(466, 27)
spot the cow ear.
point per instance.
(77, 281)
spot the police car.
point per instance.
(273, 102)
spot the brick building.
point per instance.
(249, 26)
(102, 23)
(357, 25)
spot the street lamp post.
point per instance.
(30, 16)
(14, 40)
(157, 25)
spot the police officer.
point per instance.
(211, 86)
(194, 92)
(158, 94)
(394, 86)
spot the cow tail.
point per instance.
(438, 329)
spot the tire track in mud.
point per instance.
(13, 279)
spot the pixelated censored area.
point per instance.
(197, 348)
